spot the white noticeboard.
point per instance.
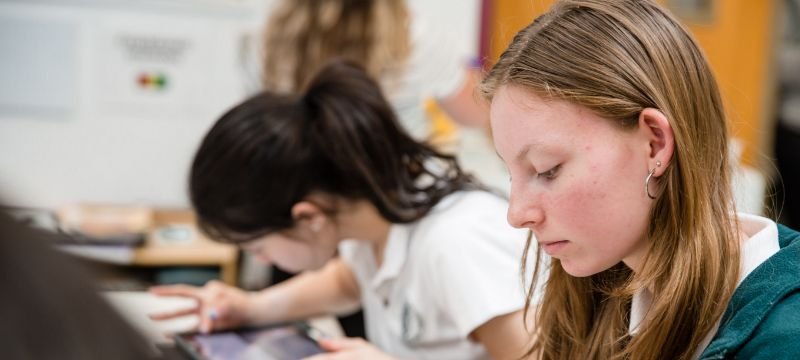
(143, 67)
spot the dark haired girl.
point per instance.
(423, 248)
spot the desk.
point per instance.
(194, 249)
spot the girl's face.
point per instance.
(303, 247)
(577, 180)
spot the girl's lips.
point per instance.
(554, 247)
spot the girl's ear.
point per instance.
(655, 127)
(308, 214)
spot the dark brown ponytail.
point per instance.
(339, 137)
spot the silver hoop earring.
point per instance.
(647, 180)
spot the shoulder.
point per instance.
(762, 319)
(787, 236)
(469, 205)
(466, 217)
(785, 315)
(466, 229)
(779, 330)
(777, 334)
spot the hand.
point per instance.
(219, 306)
(349, 348)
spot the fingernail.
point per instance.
(212, 314)
(315, 334)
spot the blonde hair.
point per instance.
(617, 57)
(302, 35)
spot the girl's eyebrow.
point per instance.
(523, 152)
(537, 145)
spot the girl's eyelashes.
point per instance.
(549, 174)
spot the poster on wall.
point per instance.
(151, 67)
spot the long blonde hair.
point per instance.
(617, 57)
(302, 35)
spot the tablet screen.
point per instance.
(276, 343)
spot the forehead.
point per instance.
(521, 119)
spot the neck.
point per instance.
(360, 220)
(636, 259)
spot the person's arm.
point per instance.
(503, 337)
(331, 290)
(464, 106)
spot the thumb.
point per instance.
(176, 290)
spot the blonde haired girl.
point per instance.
(611, 124)
(303, 35)
(424, 69)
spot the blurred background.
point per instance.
(104, 101)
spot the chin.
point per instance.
(263, 260)
(314, 267)
(298, 268)
(578, 271)
(290, 268)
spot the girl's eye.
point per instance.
(549, 174)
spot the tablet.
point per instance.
(285, 342)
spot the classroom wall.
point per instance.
(738, 39)
(740, 44)
(77, 125)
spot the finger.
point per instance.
(174, 314)
(215, 284)
(341, 344)
(176, 290)
(207, 319)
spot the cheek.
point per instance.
(604, 205)
(297, 255)
(583, 204)
(289, 255)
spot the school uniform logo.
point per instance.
(412, 324)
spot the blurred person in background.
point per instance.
(396, 42)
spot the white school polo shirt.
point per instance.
(442, 277)
(761, 244)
